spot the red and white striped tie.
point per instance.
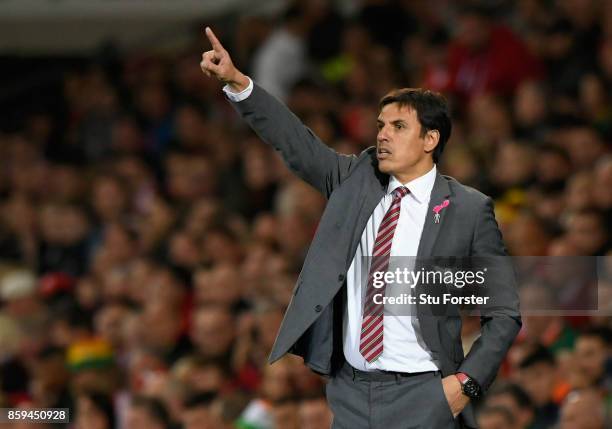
(371, 341)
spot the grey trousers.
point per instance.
(383, 402)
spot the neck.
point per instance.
(414, 173)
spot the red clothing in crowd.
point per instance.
(498, 68)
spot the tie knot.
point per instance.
(400, 193)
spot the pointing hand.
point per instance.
(218, 63)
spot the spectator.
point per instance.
(487, 57)
(213, 333)
(593, 354)
(587, 231)
(583, 410)
(94, 411)
(51, 378)
(314, 413)
(200, 375)
(537, 375)
(495, 418)
(147, 413)
(513, 398)
(281, 60)
(92, 366)
(200, 413)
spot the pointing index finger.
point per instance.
(217, 46)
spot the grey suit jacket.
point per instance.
(353, 185)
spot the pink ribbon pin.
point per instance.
(437, 209)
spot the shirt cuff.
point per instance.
(239, 96)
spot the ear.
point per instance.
(432, 138)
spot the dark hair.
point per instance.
(601, 332)
(154, 407)
(51, 352)
(539, 355)
(287, 400)
(547, 148)
(517, 392)
(221, 364)
(497, 409)
(197, 400)
(103, 403)
(431, 109)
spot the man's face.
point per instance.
(473, 31)
(400, 147)
(523, 416)
(277, 381)
(539, 380)
(212, 332)
(139, 418)
(89, 416)
(582, 411)
(493, 421)
(199, 418)
(587, 233)
(591, 355)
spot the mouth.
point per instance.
(383, 153)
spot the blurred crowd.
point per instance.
(149, 242)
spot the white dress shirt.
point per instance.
(403, 347)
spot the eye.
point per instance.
(399, 126)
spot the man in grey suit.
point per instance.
(385, 370)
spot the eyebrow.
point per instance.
(394, 122)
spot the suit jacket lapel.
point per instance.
(372, 191)
(431, 229)
(428, 322)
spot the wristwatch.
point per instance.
(469, 386)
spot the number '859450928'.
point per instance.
(41, 415)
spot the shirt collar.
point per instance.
(420, 188)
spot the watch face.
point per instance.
(471, 389)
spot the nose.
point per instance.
(383, 135)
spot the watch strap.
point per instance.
(462, 377)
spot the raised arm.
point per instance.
(304, 153)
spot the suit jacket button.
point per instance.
(318, 308)
(341, 278)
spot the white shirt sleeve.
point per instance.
(239, 96)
